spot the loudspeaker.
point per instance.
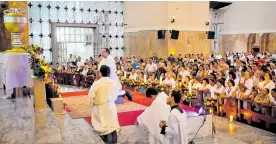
(161, 34)
(211, 34)
(175, 34)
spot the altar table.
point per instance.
(15, 70)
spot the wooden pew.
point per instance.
(228, 109)
(78, 79)
(247, 112)
(251, 115)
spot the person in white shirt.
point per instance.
(79, 63)
(267, 83)
(232, 76)
(219, 89)
(176, 129)
(71, 59)
(102, 96)
(230, 89)
(196, 84)
(133, 74)
(151, 67)
(247, 81)
(85, 70)
(169, 80)
(185, 72)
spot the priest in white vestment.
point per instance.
(102, 96)
(110, 62)
(176, 129)
(156, 112)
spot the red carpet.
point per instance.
(75, 93)
(139, 98)
(130, 117)
(125, 118)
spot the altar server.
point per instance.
(102, 96)
(176, 128)
(156, 112)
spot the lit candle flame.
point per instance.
(231, 118)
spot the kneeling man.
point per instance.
(176, 128)
(102, 96)
(156, 112)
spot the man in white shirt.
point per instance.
(71, 59)
(102, 96)
(79, 63)
(248, 82)
(151, 67)
(176, 129)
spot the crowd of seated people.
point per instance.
(239, 76)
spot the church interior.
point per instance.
(215, 61)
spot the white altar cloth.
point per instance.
(15, 70)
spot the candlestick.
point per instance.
(190, 87)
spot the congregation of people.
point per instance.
(233, 75)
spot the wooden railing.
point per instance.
(73, 79)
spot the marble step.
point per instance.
(16, 121)
(75, 131)
(46, 127)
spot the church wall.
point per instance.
(145, 15)
(143, 19)
(145, 43)
(243, 18)
(238, 42)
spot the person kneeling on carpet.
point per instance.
(102, 96)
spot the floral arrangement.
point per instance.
(191, 95)
(131, 83)
(144, 84)
(162, 87)
(40, 68)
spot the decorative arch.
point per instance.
(264, 42)
(250, 42)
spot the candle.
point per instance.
(211, 111)
(124, 74)
(145, 78)
(161, 79)
(231, 118)
(190, 87)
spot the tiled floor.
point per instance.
(20, 124)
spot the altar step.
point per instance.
(46, 127)
(17, 121)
